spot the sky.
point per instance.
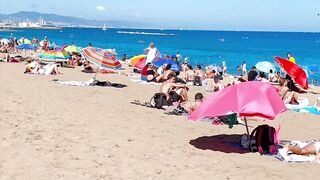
(262, 15)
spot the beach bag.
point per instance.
(266, 138)
(197, 81)
(159, 100)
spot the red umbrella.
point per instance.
(295, 71)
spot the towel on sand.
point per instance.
(294, 157)
(91, 83)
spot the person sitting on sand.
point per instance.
(310, 149)
(216, 85)
(166, 71)
(253, 74)
(189, 74)
(175, 92)
(210, 73)
(287, 96)
(192, 106)
(272, 77)
(201, 74)
(152, 75)
(36, 68)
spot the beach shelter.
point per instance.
(158, 62)
(265, 66)
(295, 71)
(138, 61)
(101, 58)
(56, 55)
(247, 99)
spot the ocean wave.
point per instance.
(144, 33)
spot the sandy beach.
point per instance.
(52, 131)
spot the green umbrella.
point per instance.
(72, 48)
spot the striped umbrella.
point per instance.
(55, 55)
(138, 61)
(103, 59)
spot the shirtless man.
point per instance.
(177, 92)
(166, 71)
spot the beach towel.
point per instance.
(139, 81)
(91, 83)
(281, 155)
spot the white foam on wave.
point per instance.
(144, 33)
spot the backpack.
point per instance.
(266, 138)
(159, 100)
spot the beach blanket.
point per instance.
(139, 81)
(283, 156)
(90, 83)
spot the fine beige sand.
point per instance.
(51, 131)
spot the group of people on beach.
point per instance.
(175, 84)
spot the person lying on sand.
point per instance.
(175, 92)
(36, 68)
(310, 149)
(192, 106)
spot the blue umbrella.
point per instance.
(26, 46)
(158, 62)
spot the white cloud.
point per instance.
(100, 8)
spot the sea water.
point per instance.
(201, 47)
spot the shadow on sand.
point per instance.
(223, 143)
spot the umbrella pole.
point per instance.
(96, 73)
(249, 138)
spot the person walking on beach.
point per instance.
(152, 52)
(45, 43)
(244, 68)
(291, 58)
(179, 58)
(35, 43)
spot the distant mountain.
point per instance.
(34, 16)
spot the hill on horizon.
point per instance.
(58, 19)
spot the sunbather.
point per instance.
(152, 75)
(175, 92)
(286, 95)
(36, 68)
(192, 106)
(310, 149)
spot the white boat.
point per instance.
(104, 28)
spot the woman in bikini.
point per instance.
(287, 96)
(190, 75)
(152, 75)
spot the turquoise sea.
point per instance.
(202, 47)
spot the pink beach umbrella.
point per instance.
(248, 99)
